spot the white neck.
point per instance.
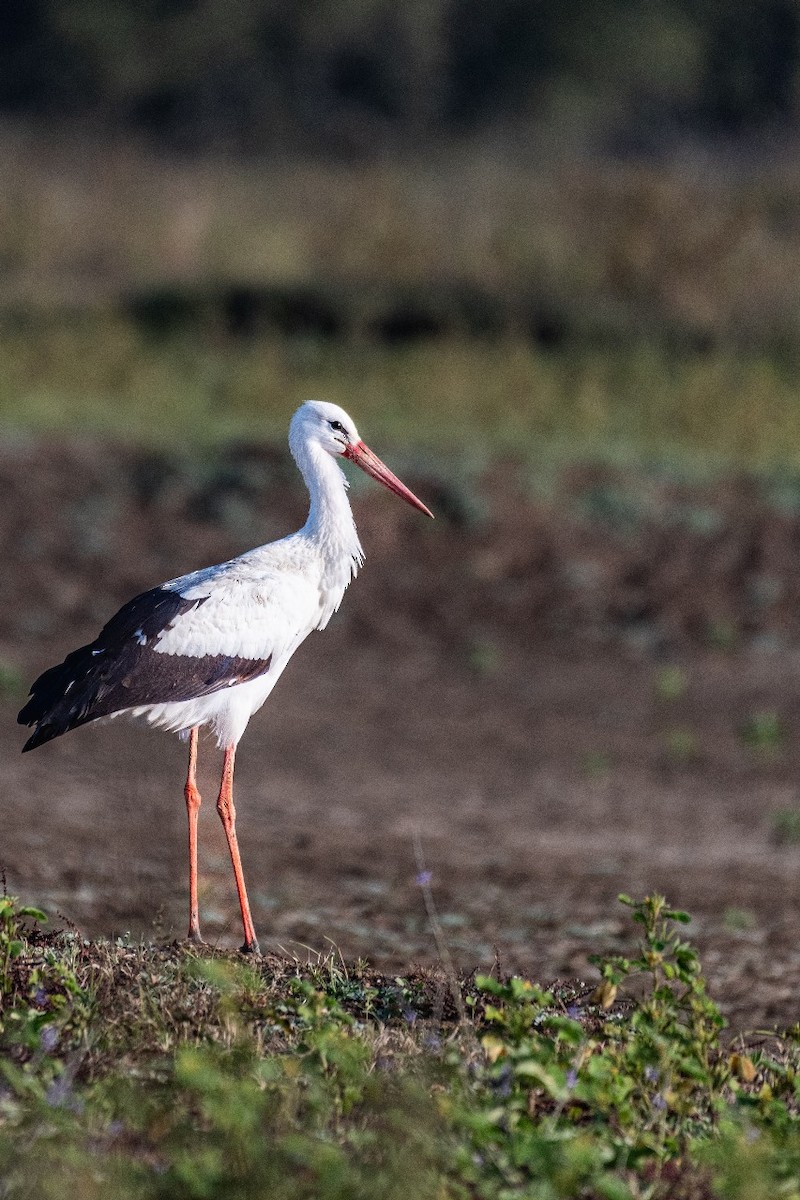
(330, 525)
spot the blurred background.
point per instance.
(548, 256)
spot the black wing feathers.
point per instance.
(121, 669)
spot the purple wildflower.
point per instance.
(424, 878)
(659, 1102)
(49, 1038)
(60, 1094)
(572, 1078)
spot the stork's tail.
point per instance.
(61, 699)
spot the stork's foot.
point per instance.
(251, 947)
(195, 937)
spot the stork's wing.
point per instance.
(123, 669)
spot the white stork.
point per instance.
(208, 648)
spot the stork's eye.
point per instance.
(338, 427)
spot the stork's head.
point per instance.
(328, 426)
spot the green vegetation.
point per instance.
(764, 734)
(475, 401)
(147, 1072)
(739, 920)
(785, 827)
(670, 684)
(681, 746)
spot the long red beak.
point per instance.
(362, 456)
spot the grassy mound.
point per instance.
(162, 1071)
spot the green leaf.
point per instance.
(35, 914)
(530, 1069)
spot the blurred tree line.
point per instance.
(353, 76)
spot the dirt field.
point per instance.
(562, 699)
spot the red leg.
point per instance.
(192, 808)
(228, 817)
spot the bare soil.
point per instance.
(492, 690)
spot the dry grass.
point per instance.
(678, 290)
(708, 250)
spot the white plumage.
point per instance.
(207, 648)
